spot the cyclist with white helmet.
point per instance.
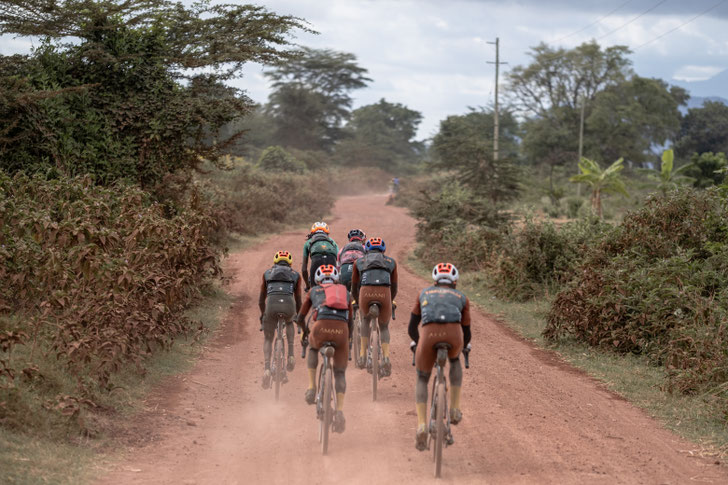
(445, 316)
(320, 248)
(280, 294)
(332, 321)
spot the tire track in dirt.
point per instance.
(528, 418)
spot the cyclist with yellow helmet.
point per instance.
(280, 294)
(321, 249)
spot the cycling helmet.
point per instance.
(376, 243)
(445, 273)
(356, 234)
(283, 257)
(326, 273)
(320, 226)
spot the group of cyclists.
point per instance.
(333, 282)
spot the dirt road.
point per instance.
(528, 418)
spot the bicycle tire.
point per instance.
(356, 340)
(278, 374)
(328, 412)
(374, 343)
(440, 428)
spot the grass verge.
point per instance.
(51, 456)
(631, 376)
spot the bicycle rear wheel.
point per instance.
(278, 363)
(328, 416)
(374, 344)
(440, 428)
(356, 339)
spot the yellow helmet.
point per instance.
(320, 226)
(283, 256)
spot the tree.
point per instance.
(631, 117)
(707, 169)
(464, 146)
(704, 130)
(601, 181)
(668, 178)
(550, 92)
(311, 96)
(277, 159)
(382, 134)
(128, 88)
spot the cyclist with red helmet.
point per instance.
(332, 317)
(280, 293)
(445, 315)
(352, 251)
(374, 280)
(320, 248)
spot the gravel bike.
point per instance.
(325, 395)
(440, 432)
(279, 355)
(374, 360)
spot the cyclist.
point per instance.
(445, 315)
(332, 323)
(320, 248)
(352, 251)
(374, 280)
(280, 293)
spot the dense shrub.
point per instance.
(539, 256)
(254, 200)
(95, 276)
(276, 159)
(658, 285)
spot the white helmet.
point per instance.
(445, 273)
(326, 273)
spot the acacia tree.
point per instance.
(128, 88)
(311, 96)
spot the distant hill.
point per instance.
(715, 87)
(699, 101)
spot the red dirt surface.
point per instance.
(528, 417)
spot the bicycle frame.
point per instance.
(326, 395)
(440, 431)
(374, 352)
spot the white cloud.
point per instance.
(691, 73)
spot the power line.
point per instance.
(681, 25)
(593, 23)
(632, 20)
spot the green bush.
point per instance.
(276, 159)
(657, 284)
(573, 207)
(541, 256)
(96, 276)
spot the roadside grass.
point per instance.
(696, 418)
(54, 452)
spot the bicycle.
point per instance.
(440, 431)
(325, 395)
(374, 352)
(355, 342)
(279, 355)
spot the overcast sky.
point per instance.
(431, 54)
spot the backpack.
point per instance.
(351, 253)
(333, 304)
(336, 297)
(320, 244)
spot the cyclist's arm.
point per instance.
(414, 323)
(261, 297)
(350, 322)
(465, 322)
(304, 264)
(300, 318)
(297, 294)
(394, 280)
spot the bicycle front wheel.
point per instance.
(328, 412)
(440, 427)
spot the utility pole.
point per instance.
(581, 139)
(495, 118)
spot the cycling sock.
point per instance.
(339, 401)
(455, 397)
(385, 350)
(421, 413)
(312, 378)
(364, 346)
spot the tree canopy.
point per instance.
(704, 130)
